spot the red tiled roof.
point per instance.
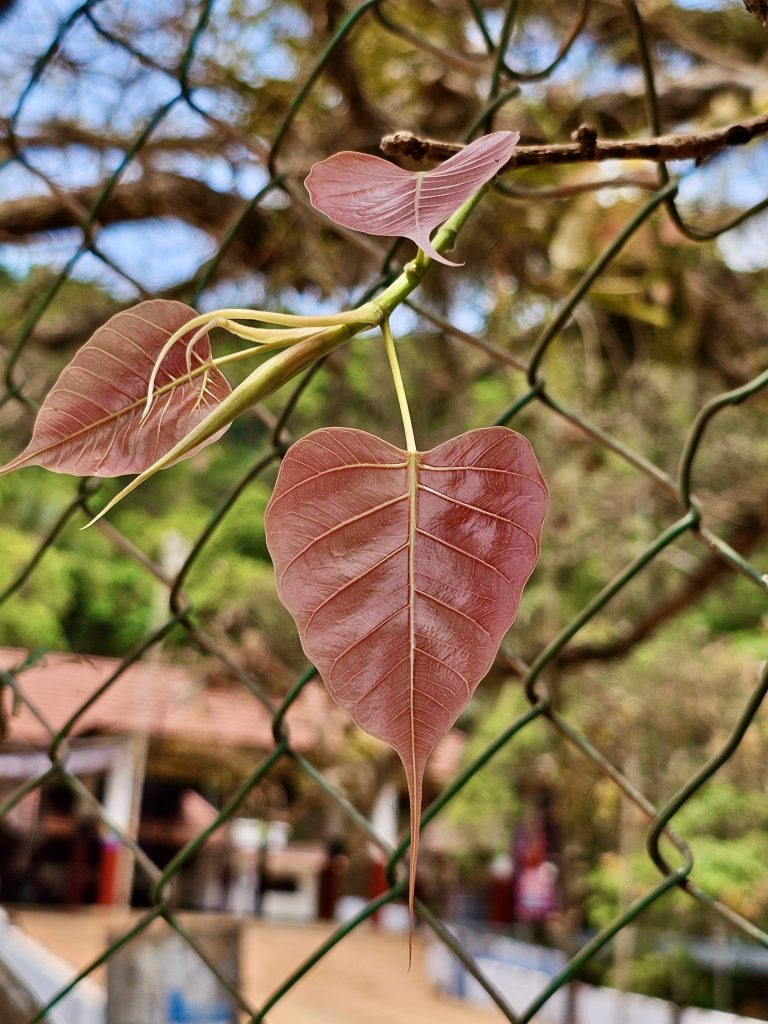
(161, 700)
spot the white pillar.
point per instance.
(384, 816)
(122, 805)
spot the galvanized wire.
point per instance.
(182, 614)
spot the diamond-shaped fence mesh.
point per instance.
(85, 207)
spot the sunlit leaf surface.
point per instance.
(372, 195)
(403, 573)
(91, 422)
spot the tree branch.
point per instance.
(60, 134)
(155, 194)
(760, 10)
(587, 148)
(744, 538)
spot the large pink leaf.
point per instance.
(404, 572)
(372, 195)
(90, 424)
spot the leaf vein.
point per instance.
(335, 469)
(477, 508)
(440, 661)
(462, 551)
(353, 581)
(335, 529)
(456, 611)
(364, 637)
(377, 684)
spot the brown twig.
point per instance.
(587, 147)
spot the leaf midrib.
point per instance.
(417, 201)
(136, 404)
(413, 491)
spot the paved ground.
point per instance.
(364, 980)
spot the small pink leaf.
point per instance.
(90, 423)
(404, 572)
(372, 195)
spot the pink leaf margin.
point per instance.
(92, 424)
(378, 551)
(369, 194)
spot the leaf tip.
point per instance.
(415, 794)
(424, 243)
(18, 462)
(97, 517)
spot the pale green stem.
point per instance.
(365, 316)
(206, 322)
(205, 329)
(402, 398)
(257, 350)
(362, 314)
(283, 366)
(362, 317)
(264, 380)
(269, 334)
(414, 272)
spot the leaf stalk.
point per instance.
(303, 351)
(402, 398)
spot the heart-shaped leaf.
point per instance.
(91, 422)
(403, 573)
(372, 195)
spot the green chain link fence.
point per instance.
(504, 84)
